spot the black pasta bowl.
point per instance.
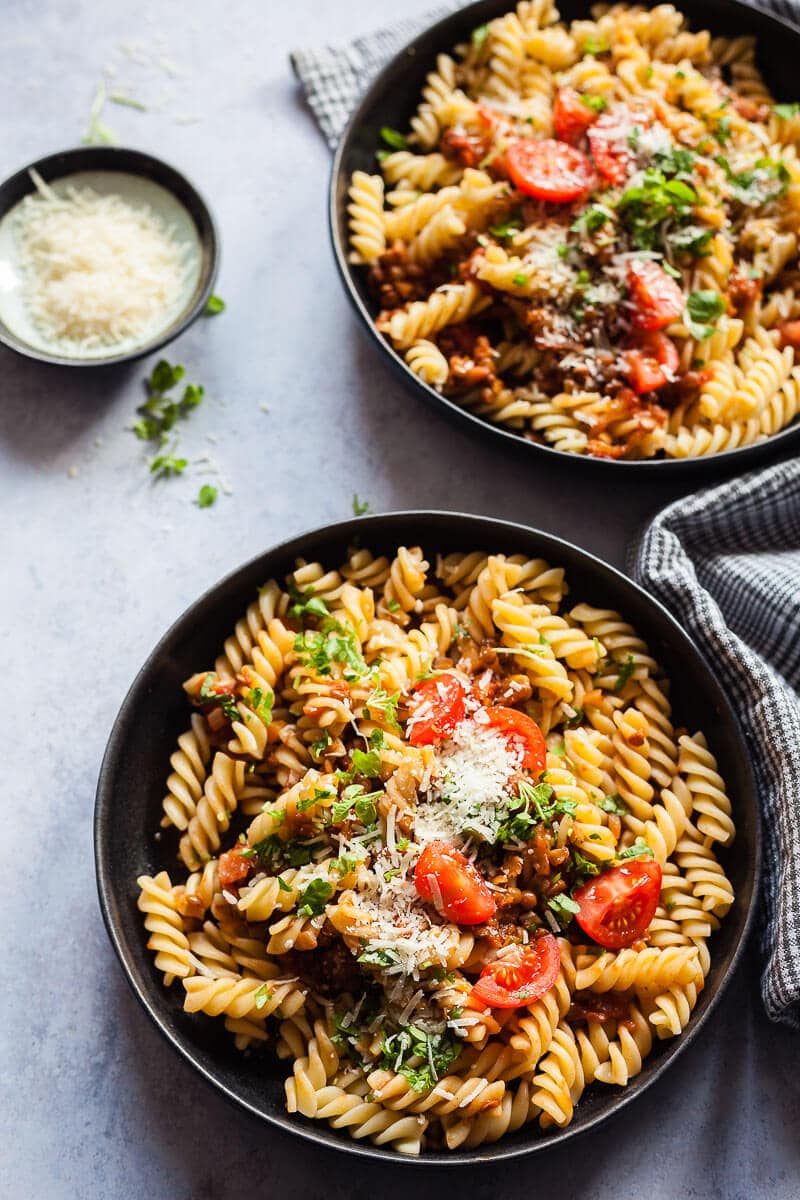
(391, 100)
(154, 714)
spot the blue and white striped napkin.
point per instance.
(725, 561)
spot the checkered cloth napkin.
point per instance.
(726, 562)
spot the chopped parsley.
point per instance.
(507, 229)
(613, 804)
(272, 850)
(214, 305)
(330, 646)
(262, 996)
(703, 309)
(639, 849)
(225, 700)
(206, 496)
(356, 800)
(592, 219)
(597, 104)
(160, 411)
(479, 36)
(359, 506)
(385, 704)
(594, 45)
(378, 956)
(438, 1052)
(533, 805)
(393, 139)
(625, 672)
(306, 604)
(645, 207)
(261, 703)
(767, 180)
(319, 747)
(520, 279)
(564, 908)
(165, 465)
(314, 897)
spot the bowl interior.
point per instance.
(154, 713)
(139, 179)
(393, 98)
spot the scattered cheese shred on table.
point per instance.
(97, 271)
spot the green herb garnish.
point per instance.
(702, 310)
(314, 897)
(214, 305)
(206, 496)
(394, 139)
(625, 672)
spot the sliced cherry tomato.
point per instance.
(457, 889)
(520, 976)
(608, 142)
(618, 905)
(234, 865)
(549, 170)
(571, 117)
(523, 733)
(438, 707)
(652, 362)
(656, 298)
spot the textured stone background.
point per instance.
(98, 561)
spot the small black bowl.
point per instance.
(154, 713)
(392, 98)
(133, 163)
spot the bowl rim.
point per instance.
(284, 551)
(702, 464)
(127, 161)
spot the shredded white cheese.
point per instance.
(470, 786)
(97, 271)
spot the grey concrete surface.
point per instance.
(97, 561)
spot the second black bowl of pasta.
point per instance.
(434, 861)
(581, 235)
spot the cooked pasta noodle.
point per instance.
(591, 235)
(405, 786)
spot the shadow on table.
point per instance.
(46, 408)
(705, 1131)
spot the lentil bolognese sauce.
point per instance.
(442, 847)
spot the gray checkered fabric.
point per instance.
(726, 562)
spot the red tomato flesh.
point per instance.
(437, 708)
(520, 976)
(571, 117)
(234, 865)
(651, 363)
(446, 877)
(618, 905)
(549, 170)
(608, 142)
(656, 298)
(522, 733)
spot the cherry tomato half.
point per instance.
(437, 708)
(463, 894)
(571, 117)
(549, 170)
(618, 905)
(234, 865)
(608, 142)
(520, 976)
(656, 298)
(523, 734)
(652, 362)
